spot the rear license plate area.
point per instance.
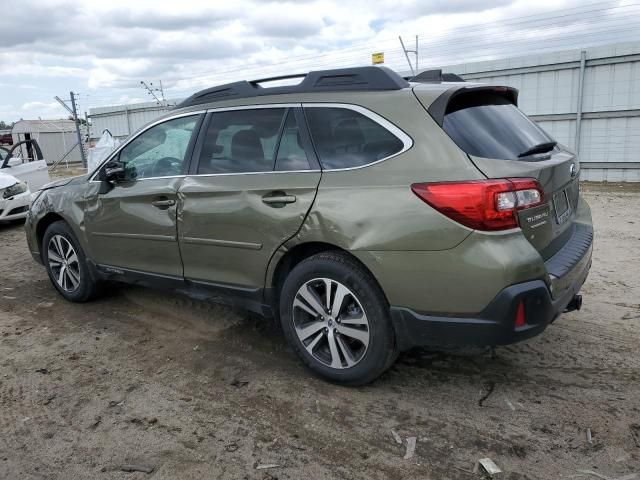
(561, 206)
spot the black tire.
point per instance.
(87, 287)
(381, 351)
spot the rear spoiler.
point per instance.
(9, 156)
(439, 106)
(435, 76)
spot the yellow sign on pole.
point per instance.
(377, 58)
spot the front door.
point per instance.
(132, 226)
(254, 182)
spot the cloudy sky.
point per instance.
(102, 50)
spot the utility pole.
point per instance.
(74, 114)
(86, 124)
(77, 122)
(151, 91)
(407, 52)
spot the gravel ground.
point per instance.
(194, 390)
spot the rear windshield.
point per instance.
(488, 125)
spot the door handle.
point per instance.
(276, 200)
(163, 204)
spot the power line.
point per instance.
(367, 46)
(603, 19)
(448, 45)
(151, 90)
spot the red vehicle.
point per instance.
(6, 138)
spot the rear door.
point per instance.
(250, 188)
(503, 142)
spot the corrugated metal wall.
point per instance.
(123, 120)
(549, 85)
(53, 145)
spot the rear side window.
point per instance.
(239, 141)
(488, 125)
(344, 138)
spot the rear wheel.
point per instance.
(66, 264)
(337, 320)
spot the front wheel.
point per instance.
(336, 317)
(66, 264)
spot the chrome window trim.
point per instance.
(137, 134)
(149, 178)
(255, 107)
(407, 141)
(270, 172)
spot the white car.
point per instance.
(18, 179)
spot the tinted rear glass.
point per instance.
(345, 138)
(488, 125)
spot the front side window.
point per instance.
(160, 151)
(241, 141)
(345, 138)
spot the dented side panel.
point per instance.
(227, 229)
(373, 208)
(68, 203)
(125, 228)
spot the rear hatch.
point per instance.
(504, 143)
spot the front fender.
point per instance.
(66, 203)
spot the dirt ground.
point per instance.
(199, 391)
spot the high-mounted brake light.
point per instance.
(487, 205)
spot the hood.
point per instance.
(64, 181)
(7, 180)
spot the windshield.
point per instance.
(486, 124)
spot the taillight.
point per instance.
(521, 319)
(482, 204)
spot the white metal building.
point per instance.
(122, 120)
(55, 137)
(589, 100)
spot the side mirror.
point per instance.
(114, 172)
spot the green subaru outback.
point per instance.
(370, 214)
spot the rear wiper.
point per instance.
(539, 148)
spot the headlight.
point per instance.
(15, 189)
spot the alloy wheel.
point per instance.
(64, 264)
(331, 323)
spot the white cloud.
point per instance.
(104, 49)
(32, 110)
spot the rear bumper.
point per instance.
(495, 324)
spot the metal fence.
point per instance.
(123, 120)
(589, 100)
